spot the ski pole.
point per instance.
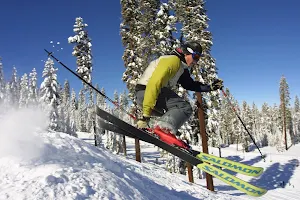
(234, 110)
(109, 99)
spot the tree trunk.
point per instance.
(284, 124)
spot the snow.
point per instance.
(65, 167)
(37, 164)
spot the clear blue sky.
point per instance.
(255, 42)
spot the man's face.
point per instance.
(189, 60)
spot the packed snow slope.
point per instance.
(42, 165)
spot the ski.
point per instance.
(131, 131)
(114, 128)
(231, 165)
(215, 160)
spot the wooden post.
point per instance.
(137, 141)
(190, 172)
(95, 134)
(137, 150)
(124, 146)
(209, 180)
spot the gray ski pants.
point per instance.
(173, 109)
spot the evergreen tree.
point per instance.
(246, 116)
(100, 100)
(82, 49)
(2, 82)
(81, 112)
(164, 27)
(23, 102)
(8, 98)
(32, 89)
(73, 108)
(115, 139)
(131, 39)
(284, 107)
(148, 10)
(14, 89)
(66, 93)
(124, 102)
(296, 119)
(124, 105)
(90, 111)
(49, 94)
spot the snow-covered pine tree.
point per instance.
(266, 128)
(115, 140)
(256, 119)
(2, 83)
(284, 108)
(72, 114)
(124, 102)
(131, 39)
(8, 98)
(49, 97)
(81, 112)
(247, 119)
(82, 50)
(23, 101)
(276, 138)
(194, 20)
(100, 100)
(14, 88)
(148, 9)
(66, 93)
(237, 126)
(226, 118)
(64, 108)
(101, 103)
(32, 89)
(90, 111)
(164, 27)
(296, 119)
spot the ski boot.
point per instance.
(169, 138)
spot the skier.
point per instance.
(155, 95)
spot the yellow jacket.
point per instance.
(162, 72)
(166, 71)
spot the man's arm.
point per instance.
(189, 84)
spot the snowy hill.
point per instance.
(58, 166)
(35, 164)
(69, 168)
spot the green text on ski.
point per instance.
(232, 180)
(231, 165)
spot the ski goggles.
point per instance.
(196, 55)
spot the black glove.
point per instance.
(217, 84)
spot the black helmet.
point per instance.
(192, 46)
